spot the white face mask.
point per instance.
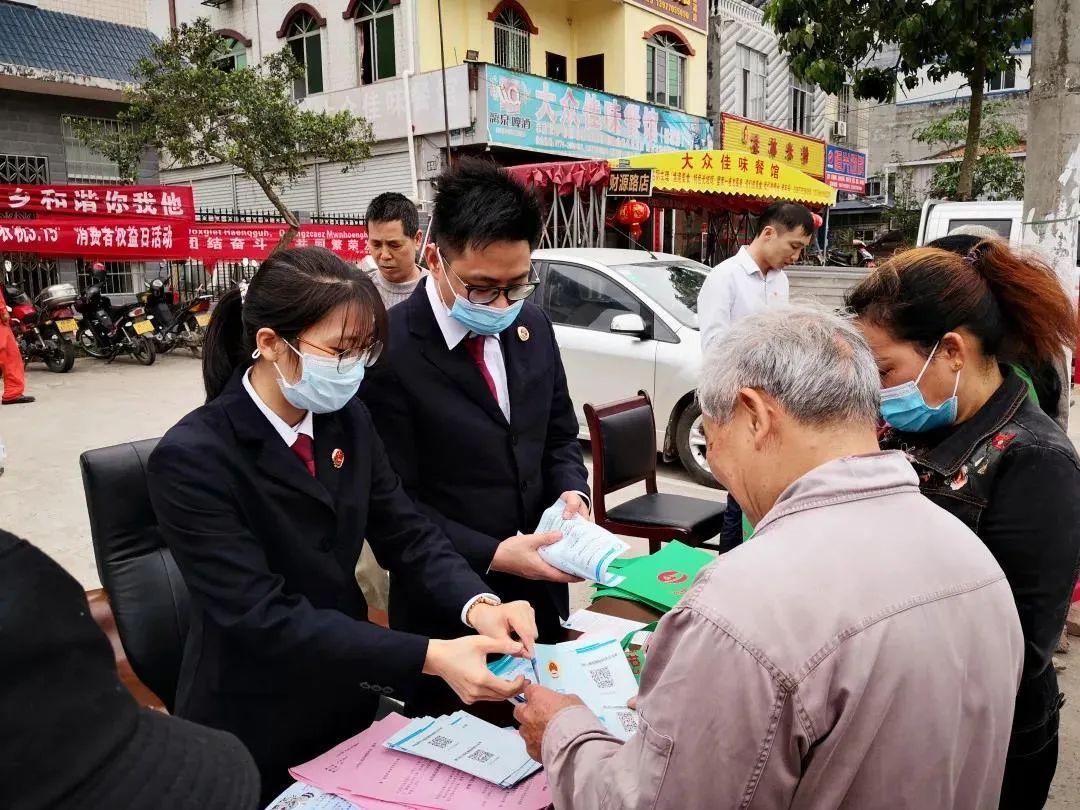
(323, 387)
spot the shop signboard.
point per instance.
(845, 169)
(780, 145)
(542, 115)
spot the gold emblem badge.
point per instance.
(338, 458)
(523, 334)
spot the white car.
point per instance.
(626, 321)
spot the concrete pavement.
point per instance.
(96, 405)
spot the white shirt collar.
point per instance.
(453, 331)
(748, 263)
(284, 429)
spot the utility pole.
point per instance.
(1052, 165)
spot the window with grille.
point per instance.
(802, 100)
(665, 71)
(305, 42)
(753, 69)
(512, 40)
(375, 40)
(233, 55)
(118, 278)
(24, 169)
(85, 164)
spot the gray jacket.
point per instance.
(862, 651)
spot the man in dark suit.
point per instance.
(471, 399)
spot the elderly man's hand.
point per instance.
(542, 705)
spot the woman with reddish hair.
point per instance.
(943, 328)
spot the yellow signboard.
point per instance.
(785, 147)
(717, 171)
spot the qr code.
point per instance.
(629, 721)
(440, 741)
(480, 755)
(602, 677)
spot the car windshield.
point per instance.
(674, 285)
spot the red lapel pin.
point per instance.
(338, 458)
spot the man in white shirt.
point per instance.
(750, 281)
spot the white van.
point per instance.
(940, 218)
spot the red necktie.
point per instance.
(304, 448)
(475, 347)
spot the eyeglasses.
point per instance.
(348, 359)
(489, 295)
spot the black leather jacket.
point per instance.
(1012, 475)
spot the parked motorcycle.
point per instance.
(175, 324)
(858, 256)
(108, 331)
(40, 337)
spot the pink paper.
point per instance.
(365, 772)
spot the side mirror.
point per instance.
(628, 324)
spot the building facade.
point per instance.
(526, 81)
(61, 60)
(749, 77)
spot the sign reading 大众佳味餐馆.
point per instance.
(542, 115)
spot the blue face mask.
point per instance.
(904, 407)
(322, 388)
(483, 319)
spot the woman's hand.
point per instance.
(520, 556)
(462, 663)
(499, 621)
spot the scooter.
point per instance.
(108, 331)
(176, 324)
(39, 336)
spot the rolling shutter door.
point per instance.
(350, 192)
(213, 192)
(300, 196)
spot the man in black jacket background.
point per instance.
(471, 399)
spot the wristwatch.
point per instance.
(483, 599)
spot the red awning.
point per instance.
(565, 176)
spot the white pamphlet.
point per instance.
(585, 550)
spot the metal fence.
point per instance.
(192, 277)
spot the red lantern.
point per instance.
(818, 221)
(633, 213)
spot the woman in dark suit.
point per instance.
(264, 496)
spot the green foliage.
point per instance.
(997, 175)
(185, 106)
(831, 42)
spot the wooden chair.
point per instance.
(623, 436)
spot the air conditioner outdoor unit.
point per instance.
(840, 129)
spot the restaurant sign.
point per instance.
(783, 146)
(542, 115)
(845, 169)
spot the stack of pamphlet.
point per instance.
(469, 744)
(658, 580)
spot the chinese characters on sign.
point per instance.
(542, 115)
(223, 241)
(630, 183)
(153, 202)
(789, 148)
(689, 12)
(845, 169)
(103, 238)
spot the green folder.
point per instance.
(658, 580)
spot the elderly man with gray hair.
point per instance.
(861, 651)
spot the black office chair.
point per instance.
(146, 590)
(623, 436)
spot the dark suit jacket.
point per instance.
(479, 477)
(280, 651)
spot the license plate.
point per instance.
(68, 325)
(203, 318)
(142, 327)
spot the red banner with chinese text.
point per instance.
(231, 241)
(102, 239)
(173, 203)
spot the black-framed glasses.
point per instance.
(489, 295)
(348, 359)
